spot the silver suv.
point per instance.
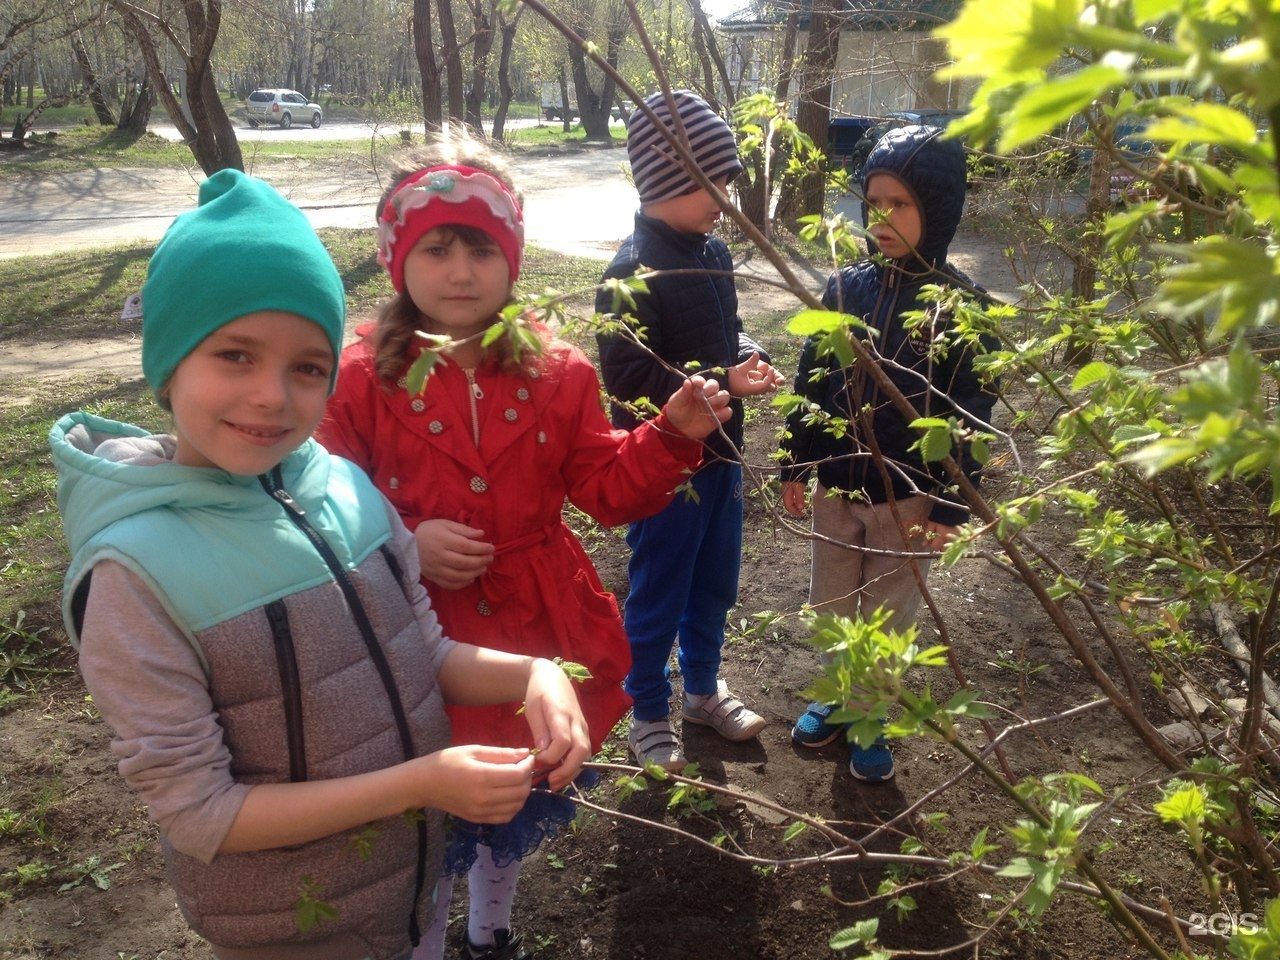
(283, 107)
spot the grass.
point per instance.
(549, 134)
(78, 295)
(80, 144)
(93, 148)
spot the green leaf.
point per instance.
(1236, 276)
(808, 323)
(1091, 373)
(1052, 103)
(420, 370)
(1183, 806)
(864, 931)
(935, 445)
(1205, 123)
(993, 36)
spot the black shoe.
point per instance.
(506, 946)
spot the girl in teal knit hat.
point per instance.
(250, 622)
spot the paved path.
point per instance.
(576, 203)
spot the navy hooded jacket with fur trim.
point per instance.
(880, 293)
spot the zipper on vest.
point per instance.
(291, 689)
(475, 393)
(273, 484)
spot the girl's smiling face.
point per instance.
(458, 284)
(250, 393)
(894, 218)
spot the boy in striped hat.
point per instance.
(685, 559)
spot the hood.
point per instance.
(931, 168)
(108, 471)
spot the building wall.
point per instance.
(876, 71)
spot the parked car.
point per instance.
(1126, 186)
(622, 109)
(281, 107)
(892, 120)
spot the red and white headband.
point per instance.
(448, 195)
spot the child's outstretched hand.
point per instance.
(452, 554)
(753, 376)
(556, 722)
(698, 407)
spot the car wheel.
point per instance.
(286, 121)
(254, 124)
(315, 120)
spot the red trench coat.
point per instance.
(544, 437)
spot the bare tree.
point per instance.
(99, 103)
(483, 14)
(451, 54)
(814, 111)
(428, 66)
(204, 124)
(595, 104)
(507, 29)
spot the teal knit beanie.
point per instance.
(245, 248)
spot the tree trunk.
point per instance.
(135, 115)
(207, 129)
(567, 108)
(99, 103)
(813, 115)
(595, 108)
(482, 18)
(707, 51)
(428, 67)
(505, 93)
(753, 196)
(1084, 264)
(452, 56)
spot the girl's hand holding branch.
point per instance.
(698, 408)
(556, 722)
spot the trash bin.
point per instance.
(844, 132)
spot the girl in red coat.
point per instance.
(479, 465)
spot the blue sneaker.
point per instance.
(873, 764)
(812, 729)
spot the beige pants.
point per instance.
(855, 578)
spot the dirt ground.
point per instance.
(632, 888)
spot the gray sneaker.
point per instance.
(655, 741)
(724, 713)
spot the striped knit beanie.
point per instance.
(658, 171)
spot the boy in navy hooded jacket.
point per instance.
(878, 507)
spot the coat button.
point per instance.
(394, 483)
(482, 608)
(522, 394)
(542, 436)
(535, 373)
(510, 414)
(478, 485)
(418, 404)
(403, 383)
(435, 426)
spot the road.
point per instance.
(578, 203)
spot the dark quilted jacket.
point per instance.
(880, 294)
(690, 320)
